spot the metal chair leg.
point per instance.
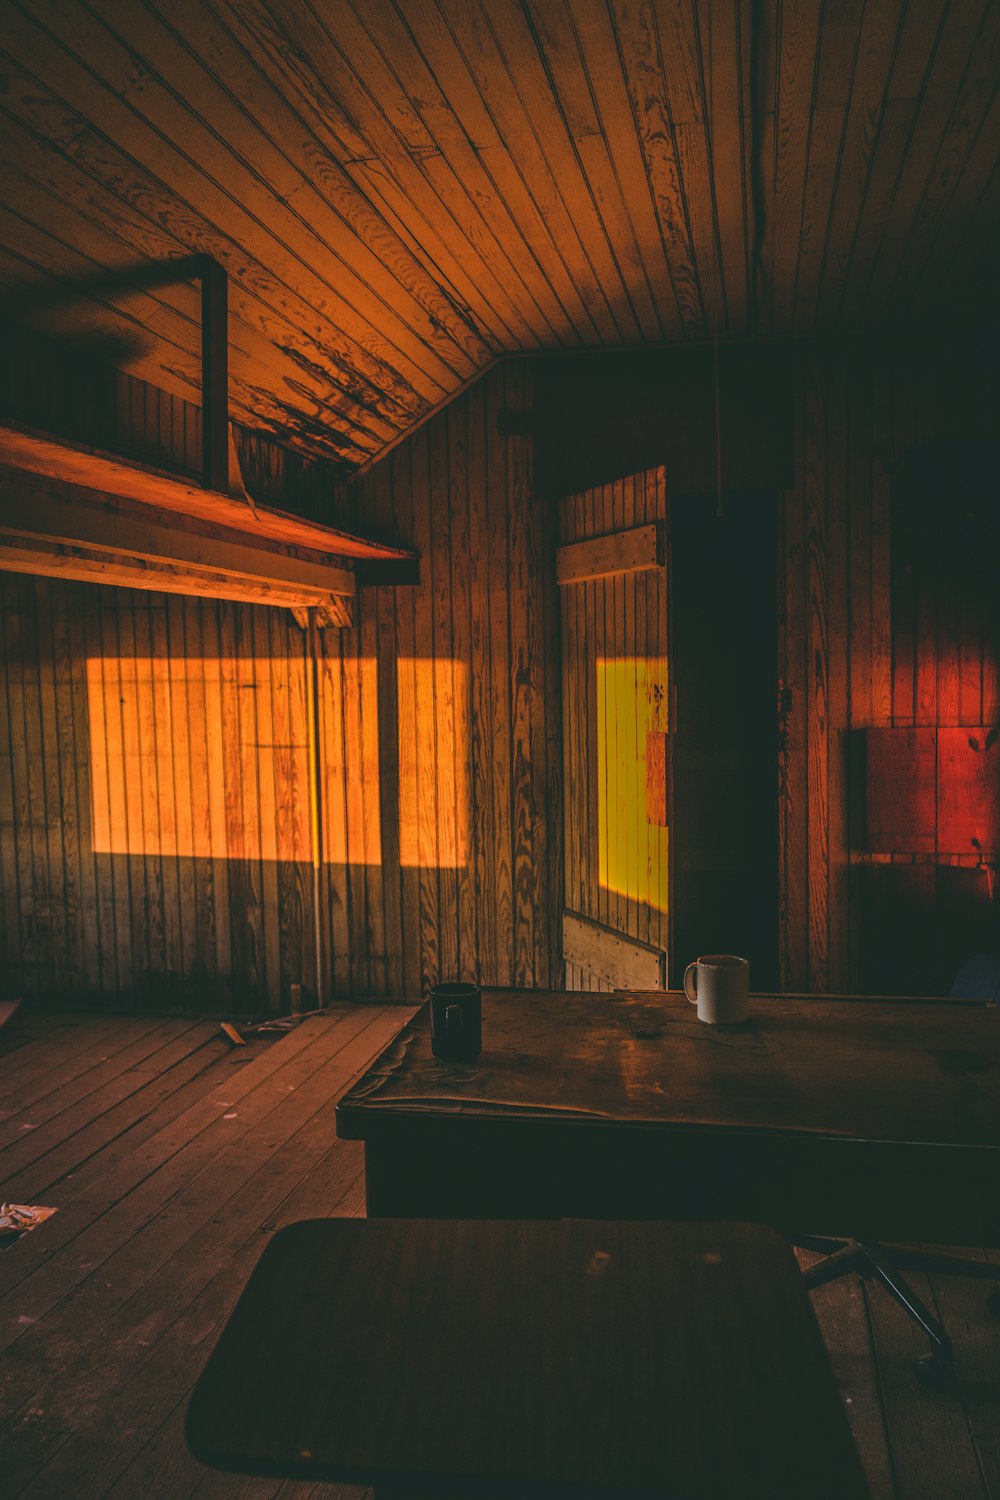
(869, 1260)
(850, 1256)
(907, 1298)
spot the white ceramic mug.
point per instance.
(719, 985)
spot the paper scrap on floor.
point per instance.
(17, 1218)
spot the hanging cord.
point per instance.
(719, 512)
(719, 294)
(315, 792)
(758, 276)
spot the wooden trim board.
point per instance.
(88, 565)
(36, 453)
(633, 551)
(46, 512)
(612, 956)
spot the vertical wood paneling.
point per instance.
(154, 777)
(817, 673)
(447, 715)
(469, 768)
(498, 607)
(462, 631)
(155, 798)
(154, 771)
(793, 894)
(876, 628)
(424, 790)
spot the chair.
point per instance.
(979, 979)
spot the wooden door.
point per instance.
(611, 568)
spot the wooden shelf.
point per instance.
(74, 512)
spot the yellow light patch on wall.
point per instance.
(434, 730)
(631, 701)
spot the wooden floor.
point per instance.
(171, 1158)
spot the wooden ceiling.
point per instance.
(404, 190)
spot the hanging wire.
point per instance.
(719, 512)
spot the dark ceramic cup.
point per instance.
(456, 1022)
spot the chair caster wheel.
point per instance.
(933, 1371)
(993, 1302)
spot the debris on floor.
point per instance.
(17, 1218)
(237, 1034)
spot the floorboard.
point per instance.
(170, 1157)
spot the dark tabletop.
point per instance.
(873, 1069)
(508, 1358)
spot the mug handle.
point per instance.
(691, 989)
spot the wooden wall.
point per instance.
(866, 643)
(155, 757)
(485, 722)
(153, 799)
(869, 633)
(439, 735)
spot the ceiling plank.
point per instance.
(599, 50)
(724, 46)
(296, 50)
(876, 52)
(82, 216)
(639, 47)
(404, 88)
(250, 111)
(464, 131)
(971, 223)
(825, 140)
(559, 51)
(516, 90)
(890, 153)
(103, 75)
(938, 90)
(369, 379)
(798, 52)
(941, 203)
(403, 191)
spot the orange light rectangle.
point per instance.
(434, 728)
(185, 760)
(204, 758)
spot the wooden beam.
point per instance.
(612, 956)
(337, 612)
(35, 453)
(632, 551)
(87, 565)
(40, 511)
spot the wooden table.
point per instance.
(534, 1359)
(875, 1118)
